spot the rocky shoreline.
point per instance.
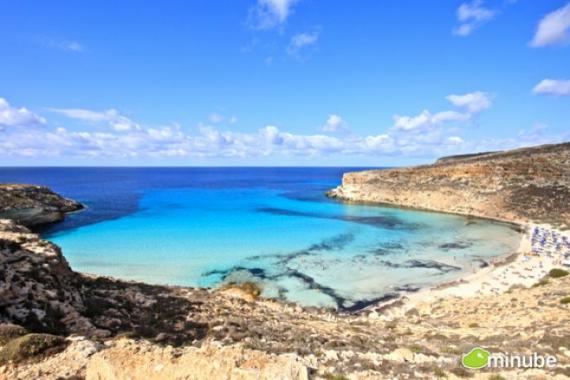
(31, 205)
(59, 324)
(528, 185)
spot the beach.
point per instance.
(523, 269)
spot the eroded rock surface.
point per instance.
(32, 205)
(523, 185)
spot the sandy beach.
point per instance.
(524, 268)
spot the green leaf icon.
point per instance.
(476, 358)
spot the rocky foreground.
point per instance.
(59, 324)
(522, 186)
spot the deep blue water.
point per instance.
(274, 226)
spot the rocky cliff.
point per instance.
(522, 185)
(31, 205)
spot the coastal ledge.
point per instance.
(32, 205)
(521, 186)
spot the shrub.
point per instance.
(416, 348)
(30, 345)
(557, 273)
(335, 376)
(542, 282)
(251, 288)
(9, 332)
(438, 372)
(565, 301)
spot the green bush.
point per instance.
(565, 301)
(9, 332)
(557, 273)
(542, 282)
(28, 346)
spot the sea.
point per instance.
(209, 227)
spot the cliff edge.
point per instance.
(32, 205)
(522, 185)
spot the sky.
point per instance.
(279, 82)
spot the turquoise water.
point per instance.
(311, 252)
(274, 226)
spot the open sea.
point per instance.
(274, 226)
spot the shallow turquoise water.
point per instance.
(308, 250)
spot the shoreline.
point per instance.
(463, 287)
(521, 268)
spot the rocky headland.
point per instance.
(522, 186)
(56, 323)
(31, 205)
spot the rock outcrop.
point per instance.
(38, 289)
(31, 205)
(522, 185)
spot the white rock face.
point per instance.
(128, 360)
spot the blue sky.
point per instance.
(279, 82)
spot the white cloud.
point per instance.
(553, 29)
(471, 16)
(111, 117)
(552, 87)
(408, 123)
(267, 14)
(66, 45)
(474, 102)
(454, 140)
(444, 116)
(424, 135)
(334, 124)
(216, 118)
(471, 104)
(302, 40)
(14, 117)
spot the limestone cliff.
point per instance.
(522, 185)
(31, 205)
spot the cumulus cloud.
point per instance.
(14, 117)
(474, 102)
(470, 105)
(301, 41)
(552, 87)
(423, 135)
(553, 29)
(334, 124)
(111, 117)
(471, 16)
(267, 14)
